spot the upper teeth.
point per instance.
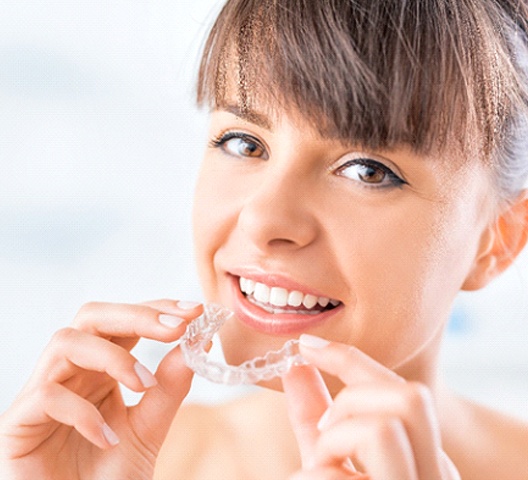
(280, 297)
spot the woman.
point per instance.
(365, 164)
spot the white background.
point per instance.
(99, 148)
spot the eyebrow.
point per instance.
(249, 115)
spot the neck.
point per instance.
(423, 366)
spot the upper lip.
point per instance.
(276, 280)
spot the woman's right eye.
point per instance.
(240, 145)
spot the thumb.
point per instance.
(307, 399)
(152, 417)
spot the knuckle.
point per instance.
(417, 396)
(43, 392)
(387, 431)
(86, 312)
(352, 351)
(63, 336)
(89, 308)
(142, 311)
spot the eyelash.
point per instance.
(395, 180)
(221, 140)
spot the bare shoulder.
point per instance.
(484, 443)
(197, 447)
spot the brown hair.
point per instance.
(380, 73)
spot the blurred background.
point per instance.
(100, 143)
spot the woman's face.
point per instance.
(382, 241)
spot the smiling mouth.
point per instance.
(279, 300)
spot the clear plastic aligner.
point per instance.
(200, 332)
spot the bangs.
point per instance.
(374, 73)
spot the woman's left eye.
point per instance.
(370, 172)
(240, 145)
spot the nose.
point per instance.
(279, 213)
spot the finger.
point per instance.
(153, 415)
(53, 402)
(71, 350)
(346, 362)
(307, 399)
(379, 444)
(411, 402)
(327, 473)
(449, 471)
(175, 307)
(112, 320)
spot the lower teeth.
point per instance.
(278, 310)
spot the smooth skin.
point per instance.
(70, 422)
(275, 198)
(292, 206)
(382, 423)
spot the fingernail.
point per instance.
(170, 320)
(312, 341)
(323, 421)
(188, 305)
(145, 376)
(110, 435)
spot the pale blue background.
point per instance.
(99, 148)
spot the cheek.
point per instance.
(405, 271)
(214, 214)
(204, 230)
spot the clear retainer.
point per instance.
(200, 332)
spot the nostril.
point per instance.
(277, 242)
(277, 220)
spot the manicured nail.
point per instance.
(312, 341)
(145, 376)
(110, 435)
(170, 320)
(188, 305)
(323, 421)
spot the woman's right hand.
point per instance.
(70, 422)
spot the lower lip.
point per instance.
(286, 324)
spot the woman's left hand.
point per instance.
(379, 424)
